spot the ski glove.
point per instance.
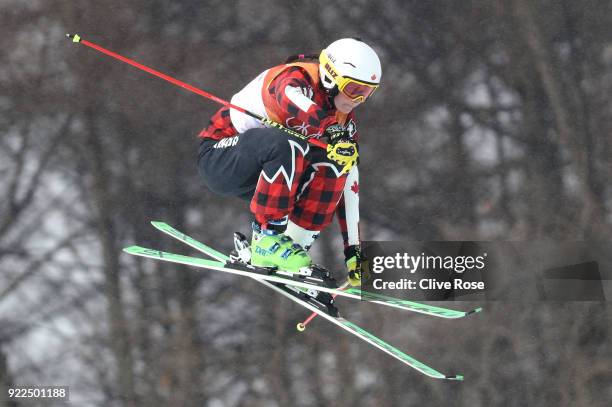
(354, 264)
(335, 133)
(341, 148)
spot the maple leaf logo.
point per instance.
(355, 187)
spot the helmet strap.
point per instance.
(332, 93)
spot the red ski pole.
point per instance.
(301, 326)
(76, 38)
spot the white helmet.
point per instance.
(352, 66)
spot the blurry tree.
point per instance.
(492, 122)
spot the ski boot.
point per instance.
(271, 248)
(241, 257)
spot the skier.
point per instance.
(295, 188)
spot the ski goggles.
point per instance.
(355, 89)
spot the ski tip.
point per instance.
(457, 377)
(474, 311)
(74, 37)
(157, 223)
(131, 249)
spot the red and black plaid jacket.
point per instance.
(282, 109)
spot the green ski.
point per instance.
(269, 280)
(354, 293)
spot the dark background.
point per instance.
(493, 122)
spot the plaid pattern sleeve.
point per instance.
(220, 126)
(311, 122)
